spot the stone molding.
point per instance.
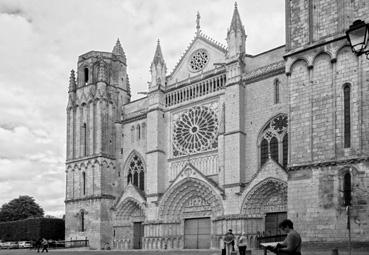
(347, 161)
(95, 197)
(264, 72)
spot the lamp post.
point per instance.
(358, 35)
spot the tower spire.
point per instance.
(236, 36)
(198, 23)
(118, 50)
(236, 20)
(158, 56)
(158, 69)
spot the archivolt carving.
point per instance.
(130, 207)
(179, 196)
(269, 195)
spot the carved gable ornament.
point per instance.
(131, 192)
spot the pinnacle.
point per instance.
(236, 20)
(72, 81)
(118, 50)
(158, 57)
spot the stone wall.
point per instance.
(318, 157)
(316, 205)
(310, 21)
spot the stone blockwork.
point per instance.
(319, 65)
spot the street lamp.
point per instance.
(357, 35)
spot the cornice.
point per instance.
(96, 197)
(347, 161)
(264, 72)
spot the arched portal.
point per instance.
(127, 226)
(190, 197)
(267, 201)
(192, 204)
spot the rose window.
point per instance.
(198, 60)
(195, 130)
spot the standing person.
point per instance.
(242, 244)
(292, 244)
(44, 245)
(229, 242)
(38, 244)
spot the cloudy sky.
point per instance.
(40, 42)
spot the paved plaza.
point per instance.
(173, 252)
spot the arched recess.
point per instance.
(129, 209)
(190, 198)
(268, 196)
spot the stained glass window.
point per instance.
(195, 130)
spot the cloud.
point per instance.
(41, 42)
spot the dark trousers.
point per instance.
(44, 248)
(242, 250)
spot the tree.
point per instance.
(20, 208)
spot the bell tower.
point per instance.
(96, 98)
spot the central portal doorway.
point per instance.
(272, 221)
(138, 233)
(197, 233)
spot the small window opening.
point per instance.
(82, 221)
(86, 75)
(347, 116)
(84, 183)
(347, 189)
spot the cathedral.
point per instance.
(227, 140)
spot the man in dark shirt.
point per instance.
(292, 244)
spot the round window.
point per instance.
(198, 60)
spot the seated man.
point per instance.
(292, 244)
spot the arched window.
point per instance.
(82, 221)
(86, 75)
(274, 141)
(132, 134)
(285, 150)
(84, 182)
(264, 154)
(136, 173)
(274, 148)
(138, 128)
(143, 130)
(347, 116)
(276, 91)
(84, 137)
(347, 189)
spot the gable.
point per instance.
(199, 49)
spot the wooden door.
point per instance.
(197, 233)
(138, 233)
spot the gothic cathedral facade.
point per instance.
(227, 140)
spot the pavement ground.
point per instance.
(84, 251)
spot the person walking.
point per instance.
(38, 244)
(242, 244)
(44, 245)
(229, 242)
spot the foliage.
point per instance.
(32, 229)
(20, 208)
